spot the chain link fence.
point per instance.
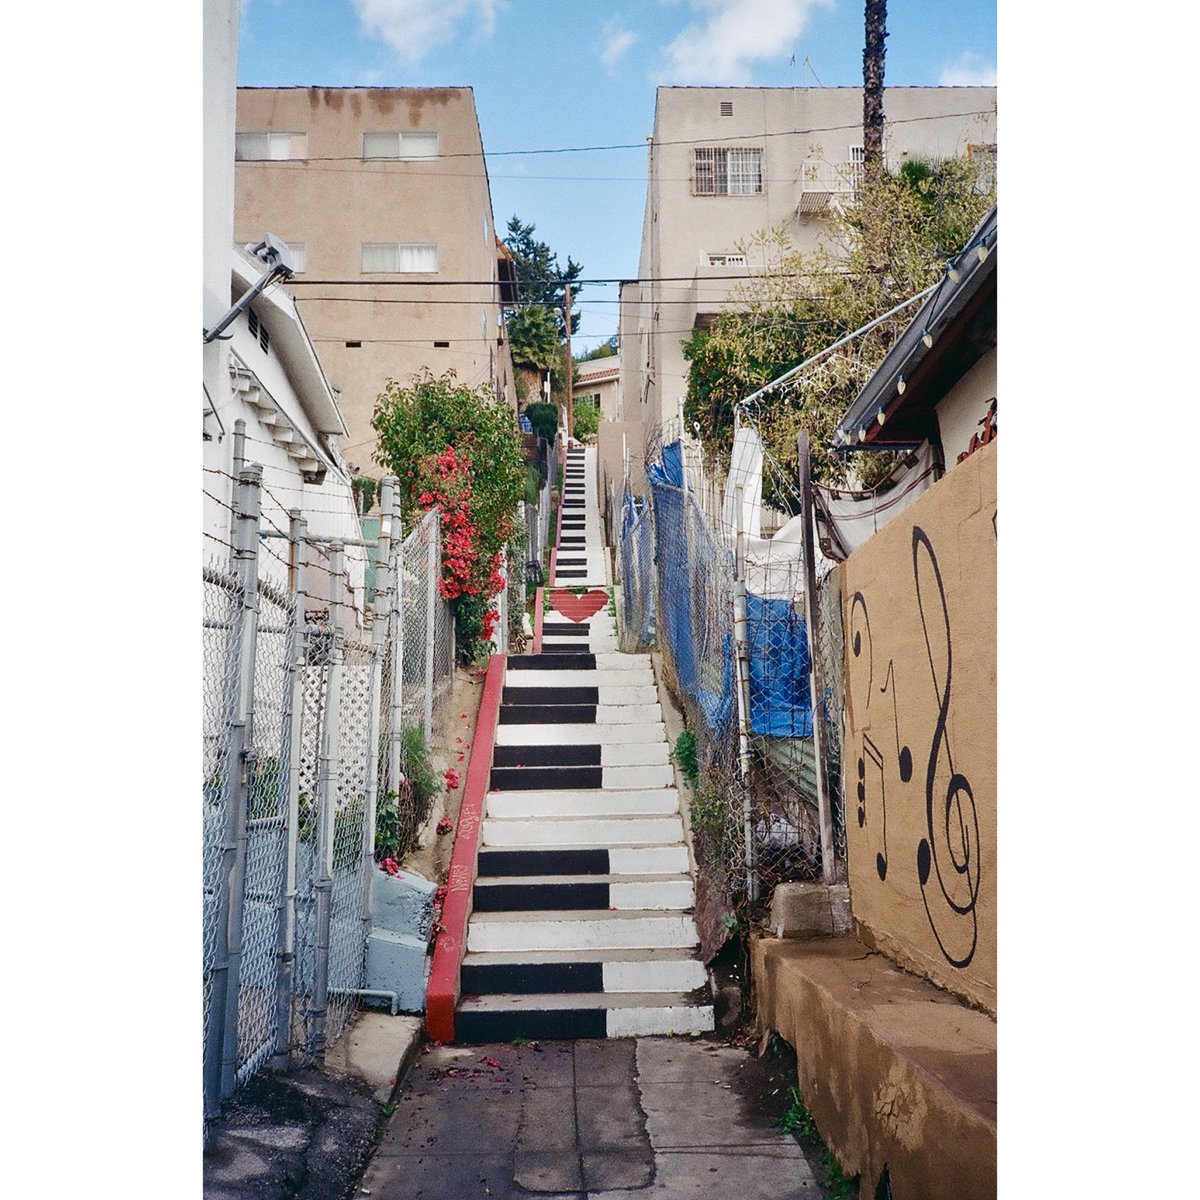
(304, 729)
(728, 617)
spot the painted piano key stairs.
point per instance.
(581, 922)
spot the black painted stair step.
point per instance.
(547, 756)
(523, 973)
(581, 694)
(535, 662)
(557, 648)
(549, 1017)
(548, 714)
(542, 897)
(526, 779)
(556, 893)
(558, 629)
(590, 861)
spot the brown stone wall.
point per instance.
(920, 750)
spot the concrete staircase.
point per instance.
(581, 923)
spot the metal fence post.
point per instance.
(383, 599)
(743, 696)
(432, 565)
(245, 565)
(396, 716)
(816, 680)
(293, 717)
(326, 818)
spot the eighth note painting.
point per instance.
(920, 758)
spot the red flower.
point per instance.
(452, 778)
(391, 867)
(445, 825)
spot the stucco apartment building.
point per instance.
(727, 162)
(383, 196)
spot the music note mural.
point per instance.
(920, 733)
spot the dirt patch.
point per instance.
(453, 739)
(301, 1136)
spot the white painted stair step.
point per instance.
(574, 929)
(582, 831)
(517, 806)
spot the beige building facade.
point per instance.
(726, 163)
(383, 196)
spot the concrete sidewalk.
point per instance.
(624, 1119)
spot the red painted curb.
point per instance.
(445, 976)
(538, 614)
(553, 561)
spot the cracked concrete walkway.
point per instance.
(661, 1118)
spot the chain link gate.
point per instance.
(303, 730)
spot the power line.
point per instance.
(697, 141)
(599, 281)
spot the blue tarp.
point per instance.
(780, 704)
(670, 469)
(676, 620)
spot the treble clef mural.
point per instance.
(949, 854)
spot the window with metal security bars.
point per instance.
(726, 260)
(412, 146)
(399, 258)
(857, 167)
(270, 147)
(258, 330)
(727, 171)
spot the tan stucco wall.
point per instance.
(335, 201)
(920, 742)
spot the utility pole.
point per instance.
(570, 371)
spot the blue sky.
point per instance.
(555, 73)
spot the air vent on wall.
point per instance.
(727, 108)
(257, 329)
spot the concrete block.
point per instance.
(399, 963)
(810, 909)
(403, 904)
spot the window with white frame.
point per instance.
(400, 145)
(270, 147)
(727, 171)
(399, 257)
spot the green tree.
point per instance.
(540, 280)
(533, 337)
(607, 349)
(443, 439)
(892, 243)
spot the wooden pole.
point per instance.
(816, 680)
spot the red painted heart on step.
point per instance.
(577, 608)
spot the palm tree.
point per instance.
(873, 55)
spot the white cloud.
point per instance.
(731, 36)
(414, 27)
(616, 43)
(968, 70)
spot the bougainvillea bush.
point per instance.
(456, 449)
